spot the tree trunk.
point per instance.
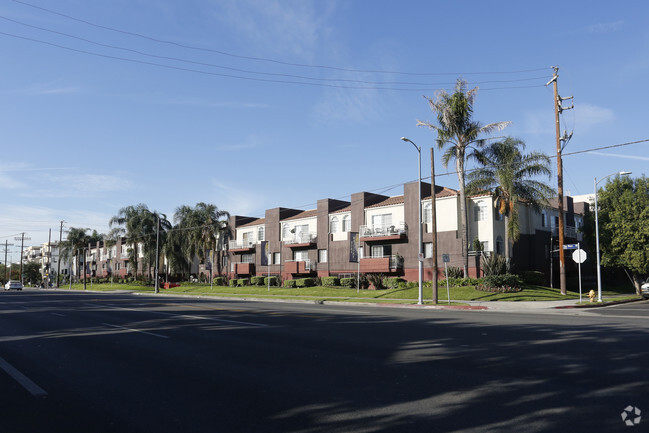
(507, 237)
(459, 162)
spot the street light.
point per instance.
(421, 251)
(599, 272)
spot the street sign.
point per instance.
(579, 256)
(446, 258)
(420, 256)
(570, 246)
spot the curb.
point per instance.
(597, 305)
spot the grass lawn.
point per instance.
(405, 295)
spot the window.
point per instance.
(333, 225)
(347, 223)
(485, 245)
(544, 219)
(248, 237)
(428, 250)
(261, 233)
(428, 213)
(285, 231)
(381, 221)
(276, 258)
(381, 251)
(499, 245)
(247, 258)
(322, 256)
(301, 255)
(480, 211)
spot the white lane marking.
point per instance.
(58, 314)
(23, 380)
(135, 330)
(235, 322)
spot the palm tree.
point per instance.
(509, 174)
(139, 225)
(201, 225)
(77, 240)
(457, 131)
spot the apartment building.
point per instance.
(374, 233)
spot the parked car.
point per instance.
(14, 284)
(645, 289)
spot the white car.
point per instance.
(13, 284)
(645, 289)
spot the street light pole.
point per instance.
(599, 272)
(419, 231)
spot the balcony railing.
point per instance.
(569, 232)
(241, 244)
(382, 230)
(300, 266)
(381, 263)
(300, 238)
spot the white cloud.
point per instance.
(604, 27)
(588, 115)
(345, 106)
(287, 26)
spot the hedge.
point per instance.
(330, 281)
(533, 277)
(305, 282)
(257, 281)
(233, 283)
(274, 281)
(348, 282)
(243, 282)
(219, 281)
(289, 284)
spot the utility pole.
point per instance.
(560, 145)
(58, 267)
(433, 218)
(157, 252)
(48, 262)
(21, 238)
(7, 245)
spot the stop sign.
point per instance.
(579, 256)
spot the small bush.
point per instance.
(454, 272)
(242, 282)
(330, 281)
(289, 284)
(219, 281)
(392, 282)
(505, 280)
(533, 278)
(495, 264)
(272, 281)
(233, 282)
(376, 280)
(305, 282)
(459, 282)
(348, 282)
(504, 289)
(257, 281)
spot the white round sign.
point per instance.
(579, 256)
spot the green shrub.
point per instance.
(348, 282)
(330, 281)
(499, 281)
(219, 281)
(257, 281)
(305, 282)
(233, 282)
(272, 281)
(458, 282)
(533, 278)
(376, 280)
(392, 282)
(454, 272)
(242, 282)
(495, 264)
(289, 284)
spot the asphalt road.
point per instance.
(97, 362)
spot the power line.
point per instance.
(264, 59)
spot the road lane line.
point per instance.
(235, 322)
(58, 314)
(135, 330)
(23, 380)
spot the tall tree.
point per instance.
(78, 239)
(510, 176)
(139, 225)
(624, 226)
(457, 132)
(201, 226)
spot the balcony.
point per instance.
(300, 266)
(242, 268)
(384, 232)
(569, 232)
(300, 240)
(381, 264)
(244, 245)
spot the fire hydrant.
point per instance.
(591, 295)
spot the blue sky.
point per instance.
(252, 105)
